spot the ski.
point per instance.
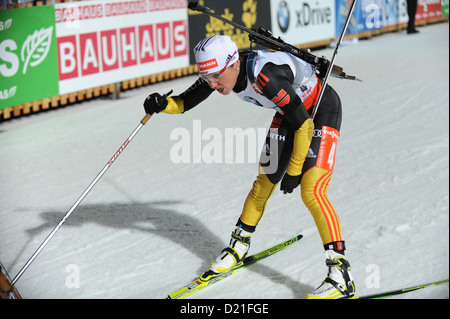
(392, 293)
(7, 289)
(201, 283)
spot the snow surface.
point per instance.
(150, 225)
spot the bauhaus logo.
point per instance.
(96, 52)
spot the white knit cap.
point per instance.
(214, 53)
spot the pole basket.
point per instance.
(7, 290)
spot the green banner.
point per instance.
(28, 55)
(445, 8)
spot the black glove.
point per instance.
(289, 183)
(155, 103)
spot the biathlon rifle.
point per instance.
(266, 38)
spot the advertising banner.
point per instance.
(367, 16)
(28, 55)
(249, 13)
(429, 10)
(303, 21)
(103, 42)
(56, 49)
(445, 5)
(395, 12)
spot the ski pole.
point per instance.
(83, 195)
(330, 67)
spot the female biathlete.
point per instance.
(298, 150)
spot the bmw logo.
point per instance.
(283, 16)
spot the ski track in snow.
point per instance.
(150, 226)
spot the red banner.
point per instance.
(428, 10)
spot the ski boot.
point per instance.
(339, 282)
(231, 256)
